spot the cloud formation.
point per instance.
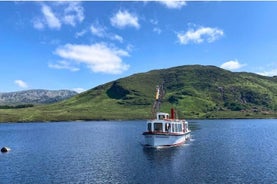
(79, 90)
(98, 30)
(157, 30)
(102, 32)
(97, 57)
(67, 13)
(116, 37)
(270, 69)
(21, 83)
(200, 35)
(232, 65)
(38, 24)
(173, 4)
(64, 65)
(73, 13)
(51, 20)
(80, 33)
(124, 19)
(272, 72)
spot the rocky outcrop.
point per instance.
(35, 97)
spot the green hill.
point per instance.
(195, 91)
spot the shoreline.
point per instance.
(135, 119)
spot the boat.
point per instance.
(165, 130)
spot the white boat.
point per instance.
(165, 130)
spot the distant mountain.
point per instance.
(38, 96)
(195, 91)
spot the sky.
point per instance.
(80, 45)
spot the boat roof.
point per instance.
(162, 113)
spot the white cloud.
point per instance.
(154, 21)
(124, 19)
(101, 31)
(73, 13)
(81, 33)
(98, 57)
(232, 65)
(269, 69)
(79, 90)
(64, 65)
(51, 20)
(59, 13)
(38, 24)
(157, 30)
(21, 83)
(116, 37)
(200, 35)
(130, 47)
(272, 72)
(173, 4)
(98, 30)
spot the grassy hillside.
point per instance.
(195, 91)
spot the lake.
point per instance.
(220, 151)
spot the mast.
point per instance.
(160, 92)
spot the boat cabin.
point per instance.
(162, 116)
(163, 124)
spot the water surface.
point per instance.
(221, 151)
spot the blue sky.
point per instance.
(79, 45)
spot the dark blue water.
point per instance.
(221, 151)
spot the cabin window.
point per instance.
(149, 127)
(161, 116)
(179, 127)
(158, 127)
(173, 127)
(176, 127)
(167, 127)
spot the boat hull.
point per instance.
(157, 140)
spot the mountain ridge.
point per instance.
(195, 91)
(34, 96)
